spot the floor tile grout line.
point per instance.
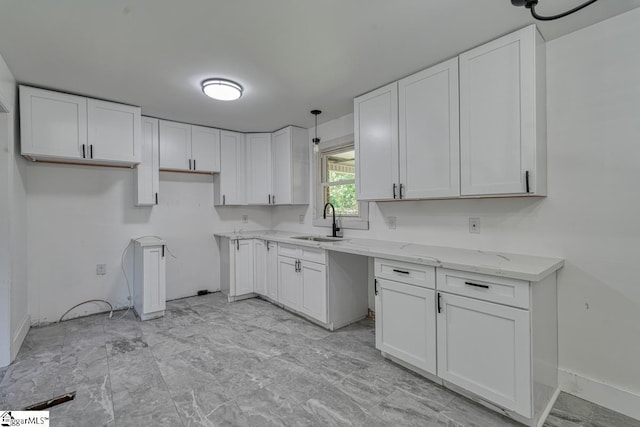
(155, 360)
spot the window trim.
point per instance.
(360, 222)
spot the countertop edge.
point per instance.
(286, 237)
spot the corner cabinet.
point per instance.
(259, 171)
(67, 128)
(147, 172)
(228, 185)
(503, 116)
(290, 166)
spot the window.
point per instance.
(338, 181)
(336, 184)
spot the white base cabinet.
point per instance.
(149, 281)
(327, 288)
(405, 323)
(491, 338)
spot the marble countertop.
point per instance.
(515, 266)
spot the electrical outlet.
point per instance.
(245, 219)
(391, 222)
(474, 225)
(301, 219)
(101, 269)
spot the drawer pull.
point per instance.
(395, 270)
(477, 285)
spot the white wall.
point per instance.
(590, 217)
(80, 216)
(14, 320)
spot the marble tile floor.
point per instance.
(211, 363)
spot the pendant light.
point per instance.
(531, 5)
(316, 140)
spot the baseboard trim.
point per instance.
(620, 400)
(20, 335)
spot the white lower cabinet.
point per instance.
(288, 282)
(260, 275)
(272, 272)
(149, 282)
(313, 286)
(241, 273)
(406, 323)
(485, 348)
(495, 338)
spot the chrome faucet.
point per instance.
(336, 232)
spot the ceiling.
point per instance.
(291, 56)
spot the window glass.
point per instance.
(338, 181)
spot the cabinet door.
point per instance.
(154, 279)
(406, 323)
(260, 266)
(497, 115)
(114, 132)
(52, 124)
(205, 149)
(147, 172)
(288, 282)
(281, 156)
(313, 301)
(429, 133)
(485, 348)
(231, 178)
(175, 145)
(244, 279)
(376, 143)
(258, 168)
(272, 271)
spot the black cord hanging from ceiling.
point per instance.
(531, 4)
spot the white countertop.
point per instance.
(515, 266)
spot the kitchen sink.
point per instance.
(318, 238)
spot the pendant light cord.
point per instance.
(560, 15)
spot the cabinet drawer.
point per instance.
(416, 274)
(313, 255)
(481, 286)
(290, 251)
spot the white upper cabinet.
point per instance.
(175, 145)
(185, 147)
(429, 133)
(290, 166)
(376, 144)
(61, 127)
(114, 131)
(229, 183)
(205, 149)
(258, 168)
(52, 124)
(147, 172)
(472, 126)
(502, 116)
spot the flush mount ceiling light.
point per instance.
(531, 4)
(221, 89)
